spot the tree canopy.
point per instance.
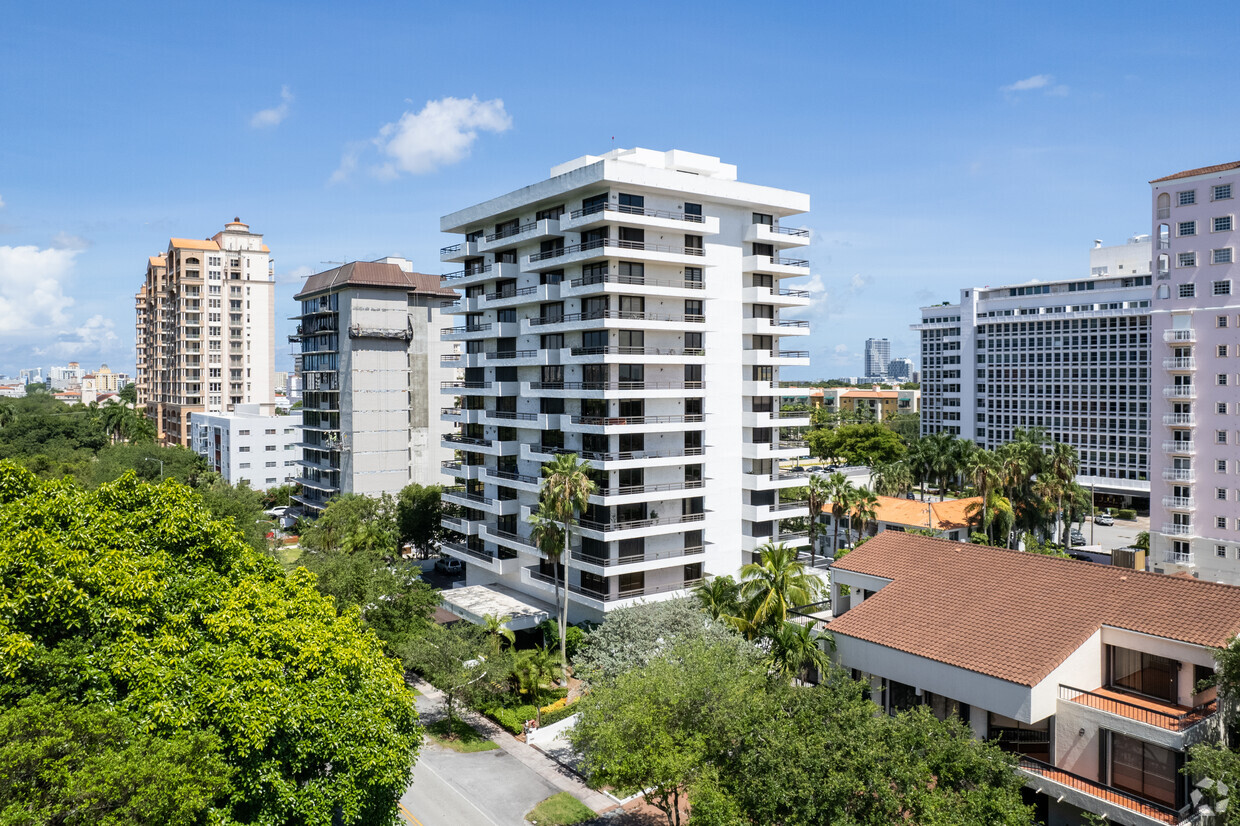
(130, 598)
(857, 444)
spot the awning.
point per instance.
(473, 602)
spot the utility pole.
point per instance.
(161, 465)
(1091, 513)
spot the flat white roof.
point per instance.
(473, 602)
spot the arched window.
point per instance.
(1164, 264)
(1164, 291)
(1164, 205)
(1164, 236)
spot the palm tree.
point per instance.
(568, 485)
(840, 493)
(1062, 464)
(941, 459)
(997, 512)
(531, 670)
(548, 536)
(719, 597)
(893, 478)
(115, 418)
(794, 650)
(984, 472)
(864, 509)
(497, 631)
(769, 587)
(818, 492)
(8, 414)
(139, 428)
(918, 459)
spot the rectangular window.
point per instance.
(1220, 551)
(1142, 768)
(1222, 350)
(1221, 256)
(1221, 408)
(1188, 290)
(1142, 673)
(1222, 287)
(1220, 321)
(1186, 259)
(1186, 228)
(1220, 522)
(1187, 197)
(1220, 192)
(1220, 494)
(1222, 224)
(1220, 465)
(1220, 437)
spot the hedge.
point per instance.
(1126, 513)
(512, 718)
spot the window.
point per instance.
(1221, 408)
(1220, 465)
(1186, 259)
(239, 432)
(1222, 224)
(1220, 192)
(1220, 522)
(243, 449)
(1186, 228)
(1220, 551)
(1222, 287)
(1142, 673)
(1141, 768)
(1187, 290)
(270, 447)
(1221, 256)
(1220, 494)
(1220, 321)
(1187, 198)
(1220, 437)
(1222, 351)
(270, 464)
(244, 465)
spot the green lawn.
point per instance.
(460, 737)
(560, 810)
(288, 555)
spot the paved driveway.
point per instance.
(487, 788)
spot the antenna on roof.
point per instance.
(337, 263)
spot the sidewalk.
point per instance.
(535, 760)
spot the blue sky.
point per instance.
(943, 144)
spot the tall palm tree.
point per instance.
(548, 536)
(568, 486)
(864, 510)
(818, 492)
(774, 584)
(497, 631)
(1062, 463)
(794, 649)
(918, 459)
(997, 512)
(941, 458)
(719, 597)
(8, 414)
(893, 478)
(984, 472)
(115, 418)
(840, 494)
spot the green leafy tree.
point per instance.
(454, 659)
(144, 461)
(134, 596)
(818, 494)
(129, 393)
(351, 522)
(857, 444)
(983, 472)
(532, 670)
(240, 505)
(904, 425)
(893, 478)
(418, 512)
(1143, 541)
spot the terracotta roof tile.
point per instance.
(948, 515)
(192, 244)
(157, 261)
(374, 274)
(1203, 170)
(1017, 616)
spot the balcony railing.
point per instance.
(785, 262)
(536, 574)
(1179, 447)
(1187, 419)
(1152, 810)
(630, 490)
(1180, 335)
(622, 455)
(1177, 529)
(1180, 503)
(646, 556)
(635, 210)
(615, 385)
(1178, 557)
(464, 328)
(776, 228)
(602, 243)
(616, 421)
(640, 280)
(1178, 474)
(631, 524)
(457, 438)
(637, 351)
(1180, 391)
(466, 273)
(1180, 363)
(1173, 719)
(513, 476)
(510, 415)
(509, 231)
(511, 354)
(617, 314)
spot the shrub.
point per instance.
(1126, 513)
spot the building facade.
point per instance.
(205, 329)
(1099, 705)
(1070, 356)
(874, 402)
(631, 309)
(372, 363)
(877, 357)
(249, 446)
(1195, 518)
(900, 369)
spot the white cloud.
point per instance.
(96, 336)
(67, 241)
(1, 203)
(442, 133)
(32, 299)
(274, 116)
(1046, 82)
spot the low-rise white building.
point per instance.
(1090, 673)
(246, 445)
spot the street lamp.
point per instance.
(161, 465)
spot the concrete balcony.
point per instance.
(632, 528)
(1183, 419)
(1180, 336)
(615, 460)
(779, 510)
(472, 444)
(611, 319)
(612, 599)
(776, 296)
(793, 539)
(1179, 503)
(1116, 805)
(613, 389)
(479, 388)
(604, 248)
(631, 355)
(1180, 364)
(613, 282)
(647, 561)
(655, 219)
(773, 450)
(775, 265)
(633, 494)
(479, 275)
(465, 527)
(773, 327)
(523, 233)
(511, 479)
(459, 252)
(1177, 529)
(1178, 474)
(777, 235)
(774, 481)
(631, 424)
(534, 421)
(1180, 391)
(1179, 448)
(511, 541)
(502, 562)
(776, 358)
(461, 470)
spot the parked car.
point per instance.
(1077, 538)
(448, 565)
(277, 511)
(1104, 519)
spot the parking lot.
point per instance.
(1120, 535)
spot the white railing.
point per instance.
(1183, 447)
(1178, 474)
(1177, 529)
(1182, 503)
(1180, 418)
(1179, 335)
(1180, 363)
(1180, 391)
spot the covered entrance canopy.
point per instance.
(473, 602)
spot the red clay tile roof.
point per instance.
(896, 510)
(1017, 616)
(1204, 170)
(374, 274)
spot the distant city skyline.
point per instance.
(937, 152)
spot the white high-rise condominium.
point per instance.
(372, 362)
(900, 368)
(206, 329)
(629, 309)
(877, 356)
(1195, 522)
(1069, 356)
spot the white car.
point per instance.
(277, 511)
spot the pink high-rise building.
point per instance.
(1195, 501)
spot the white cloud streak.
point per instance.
(32, 299)
(441, 134)
(267, 118)
(1034, 82)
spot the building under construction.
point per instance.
(372, 365)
